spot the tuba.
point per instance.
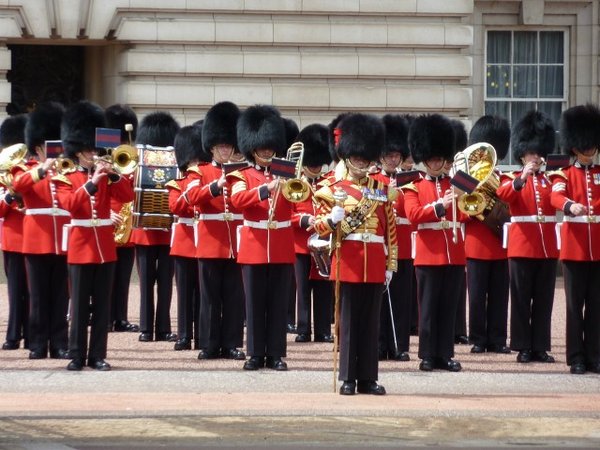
(479, 161)
(9, 158)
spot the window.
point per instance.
(525, 70)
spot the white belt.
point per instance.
(47, 212)
(402, 221)
(265, 224)
(91, 222)
(227, 217)
(443, 225)
(189, 221)
(532, 219)
(582, 219)
(365, 237)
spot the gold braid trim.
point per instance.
(173, 184)
(392, 238)
(363, 209)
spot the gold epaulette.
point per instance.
(237, 174)
(411, 187)
(324, 194)
(557, 173)
(196, 168)
(173, 184)
(61, 178)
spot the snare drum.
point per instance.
(151, 205)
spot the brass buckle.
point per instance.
(94, 222)
(540, 219)
(366, 237)
(591, 219)
(271, 225)
(445, 224)
(227, 217)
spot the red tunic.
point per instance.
(218, 219)
(90, 244)
(481, 242)
(580, 236)
(44, 218)
(12, 226)
(183, 242)
(259, 241)
(529, 238)
(434, 245)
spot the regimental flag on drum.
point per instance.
(406, 177)
(108, 137)
(232, 167)
(53, 149)
(465, 182)
(283, 168)
(556, 161)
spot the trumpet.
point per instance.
(64, 165)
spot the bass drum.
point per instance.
(151, 204)
(320, 250)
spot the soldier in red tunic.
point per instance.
(487, 265)
(266, 239)
(367, 253)
(12, 131)
(439, 247)
(576, 192)
(86, 192)
(45, 259)
(532, 250)
(315, 293)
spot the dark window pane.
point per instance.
(498, 81)
(519, 109)
(525, 81)
(553, 109)
(525, 47)
(498, 47)
(551, 81)
(552, 47)
(497, 109)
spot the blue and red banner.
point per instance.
(232, 167)
(283, 168)
(465, 182)
(53, 149)
(403, 178)
(108, 137)
(556, 161)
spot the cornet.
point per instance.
(124, 159)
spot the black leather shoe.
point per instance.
(61, 353)
(498, 348)
(370, 387)
(577, 368)
(448, 364)
(145, 337)
(254, 363)
(324, 338)
(206, 354)
(75, 364)
(593, 367)
(426, 365)
(99, 364)
(124, 325)
(302, 338)
(524, 356)
(168, 337)
(399, 356)
(461, 339)
(10, 345)
(232, 353)
(182, 344)
(276, 364)
(478, 349)
(542, 357)
(348, 388)
(291, 328)
(38, 354)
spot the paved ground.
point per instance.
(158, 398)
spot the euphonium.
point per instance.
(296, 189)
(9, 158)
(123, 230)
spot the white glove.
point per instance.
(388, 277)
(337, 214)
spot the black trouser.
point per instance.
(291, 299)
(360, 307)
(582, 291)
(396, 309)
(438, 288)
(460, 324)
(188, 297)
(155, 266)
(532, 283)
(91, 285)
(221, 305)
(488, 282)
(47, 277)
(314, 298)
(18, 297)
(120, 291)
(266, 287)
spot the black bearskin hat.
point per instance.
(117, 116)
(361, 135)
(261, 126)
(188, 146)
(334, 136)
(460, 136)
(43, 125)
(220, 126)
(158, 129)
(78, 127)
(495, 131)
(291, 132)
(580, 128)
(396, 135)
(12, 130)
(431, 136)
(316, 145)
(533, 133)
